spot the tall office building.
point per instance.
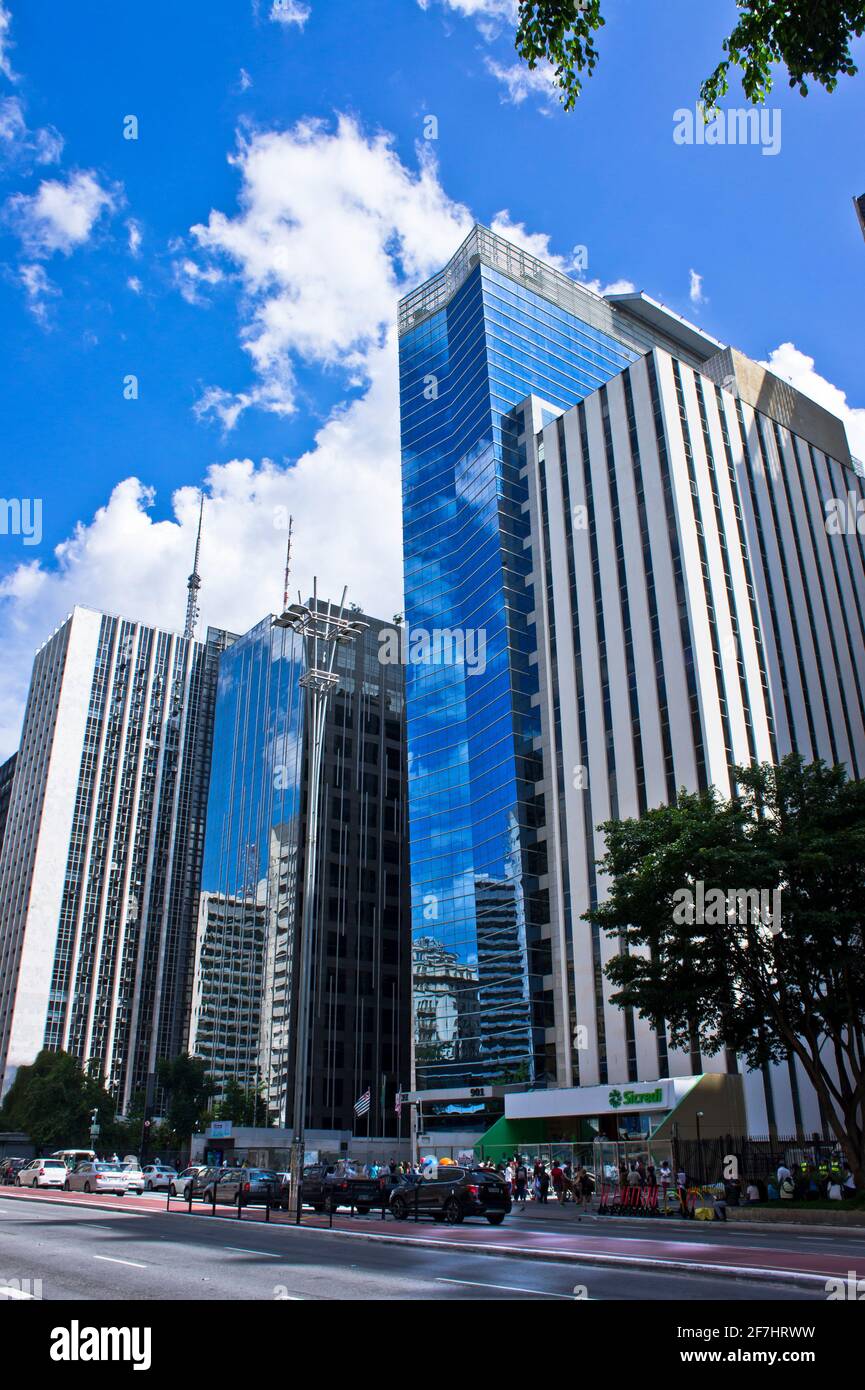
(101, 858)
(7, 776)
(611, 662)
(243, 1020)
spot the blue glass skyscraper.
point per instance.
(493, 327)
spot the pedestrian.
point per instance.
(783, 1172)
(557, 1179)
(719, 1202)
(544, 1183)
(521, 1178)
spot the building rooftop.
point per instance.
(635, 319)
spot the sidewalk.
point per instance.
(839, 1222)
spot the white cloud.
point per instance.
(5, 43)
(289, 12)
(38, 289)
(479, 9)
(344, 495)
(134, 284)
(536, 243)
(519, 82)
(190, 278)
(616, 287)
(695, 290)
(244, 82)
(796, 367)
(136, 236)
(60, 216)
(21, 147)
(332, 229)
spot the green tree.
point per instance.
(811, 38)
(188, 1089)
(53, 1101)
(243, 1105)
(794, 987)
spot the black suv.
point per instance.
(452, 1194)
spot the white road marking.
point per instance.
(510, 1288)
(15, 1293)
(109, 1260)
(242, 1250)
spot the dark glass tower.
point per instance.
(492, 328)
(243, 1020)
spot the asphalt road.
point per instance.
(80, 1251)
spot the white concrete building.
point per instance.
(100, 863)
(694, 608)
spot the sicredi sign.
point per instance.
(566, 1102)
(617, 1098)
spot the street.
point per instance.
(82, 1248)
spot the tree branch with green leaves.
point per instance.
(810, 38)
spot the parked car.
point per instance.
(238, 1186)
(10, 1167)
(98, 1177)
(72, 1157)
(41, 1172)
(190, 1181)
(134, 1177)
(158, 1176)
(451, 1194)
(328, 1186)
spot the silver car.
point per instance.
(42, 1172)
(98, 1177)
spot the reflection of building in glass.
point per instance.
(225, 1029)
(505, 1019)
(102, 852)
(248, 914)
(359, 1011)
(445, 1007)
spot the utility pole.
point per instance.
(324, 629)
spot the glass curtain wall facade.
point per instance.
(248, 913)
(242, 1016)
(492, 328)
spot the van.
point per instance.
(72, 1157)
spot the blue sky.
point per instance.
(243, 256)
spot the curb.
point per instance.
(752, 1273)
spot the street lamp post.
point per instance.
(323, 629)
(699, 1116)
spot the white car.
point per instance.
(134, 1177)
(158, 1177)
(99, 1177)
(42, 1172)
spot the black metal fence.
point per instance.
(741, 1159)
